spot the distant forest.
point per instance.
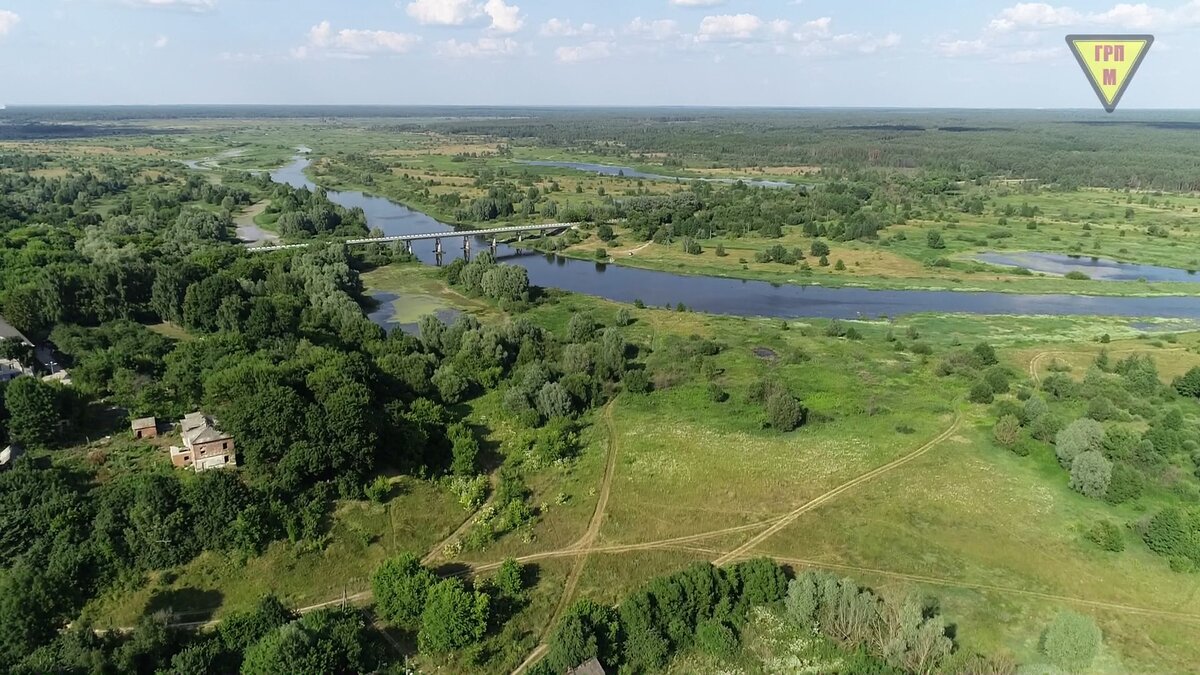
(1153, 150)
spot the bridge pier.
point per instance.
(467, 249)
(493, 246)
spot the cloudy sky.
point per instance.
(921, 53)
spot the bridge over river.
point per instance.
(437, 237)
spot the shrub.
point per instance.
(691, 247)
(400, 586)
(985, 354)
(601, 254)
(716, 638)
(1035, 407)
(819, 248)
(1189, 383)
(839, 265)
(636, 382)
(716, 394)
(623, 317)
(784, 411)
(453, 618)
(1169, 534)
(997, 379)
(379, 489)
(934, 239)
(981, 392)
(721, 251)
(1107, 536)
(1071, 641)
(1077, 276)
(1007, 431)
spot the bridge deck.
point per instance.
(516, 229)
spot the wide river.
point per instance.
(733, 296)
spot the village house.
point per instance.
(146, 427)
(590, 667)
(205, 446)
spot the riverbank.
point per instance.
(859, 261)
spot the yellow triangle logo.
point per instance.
(1110, 62)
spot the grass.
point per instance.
(361, 535)
(870, 265)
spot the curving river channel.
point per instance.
(733, 296)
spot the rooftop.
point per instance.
(8, 332)
(144, 423)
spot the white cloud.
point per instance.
(7, 21)
(505, 18)
(960, 48)
(697, 3)
(1028, 55)
(585, 52)
(485, 46)
(184, 5)
(728, 27)
(564, 28)
(443, 12)
(1137, 17)
(242, 57)
(353, 43)
(1031, 15)
(659, 29)
(161, 41)
(815, 28)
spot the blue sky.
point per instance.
(919, 53)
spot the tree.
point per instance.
(450, 385)
(636, 381)
(1072, 641)
(623, 317)
(401, 585)
(1090, 474)
(464, 449)
(934, 239)
(1080, 436)
(510, 580)
(34, 412)
(784, 411)
(325, 641)
(818, 249)
(581, 328)
(1189, 383)
(981, 392)
(453, 618)
(553, 401)
(984, 354)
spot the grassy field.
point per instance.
(875, 266)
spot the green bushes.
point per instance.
(911, 636)
(1107, 536)
(699, 607)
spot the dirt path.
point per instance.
(435, 553)
(849, 485)
(584, 544)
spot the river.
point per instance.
(737, 297)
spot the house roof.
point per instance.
(590, 667)
(10, 453)
(199, 428)
(8, 332)
(144, 423)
